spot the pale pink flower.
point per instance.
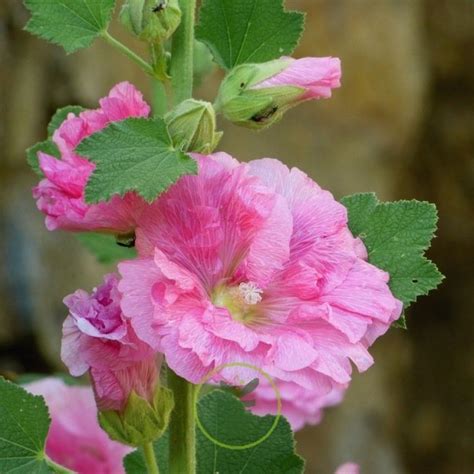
(96, 338)
(348, 468)
(318, 76)
(255, 263)
(75, 439)
(60, 195)
(299, 405)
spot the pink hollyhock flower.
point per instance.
(60, 196)
(75, 439)
(299, 406)
(348, 468)
(255, 263)
(96, 338)
(317, 76)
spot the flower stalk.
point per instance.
(150, 459)
(182, 53)
(182, 455)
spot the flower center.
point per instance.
(241, 301)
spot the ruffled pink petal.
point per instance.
(60, 196)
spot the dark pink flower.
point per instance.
(60, 195)
(75, 439)
(96, 338)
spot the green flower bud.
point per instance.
(153, 21)
(140, 422)
(192, 126)
(243, 103)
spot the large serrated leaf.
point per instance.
(396, 235)
(24, 424)
(135, 154)
(225, 418)
(72, 24)
(248, 31)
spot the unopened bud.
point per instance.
(257, 95)
(141, 421)
(153, 21)
(192, 126)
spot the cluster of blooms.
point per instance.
(243, 262)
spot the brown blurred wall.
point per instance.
(402, 125)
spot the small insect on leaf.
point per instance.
(162, 4)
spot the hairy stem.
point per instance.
(128, 52)
(160, 99)
(182, 53)
(182, 455)
(150, 459)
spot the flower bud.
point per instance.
(257, 95)
(153, 21)
(141, 421)
(192, 126)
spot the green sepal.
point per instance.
(61, 115)
(46, 146)
(243, 104)
(192, 126)
(153, 21)
(140, 422)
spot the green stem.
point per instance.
(128, 52)
(150, 459)
(182, 454)
(160, 99)
(182, 53)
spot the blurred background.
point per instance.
(402, 125)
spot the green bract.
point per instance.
(72, 24)
(251, 107)
(192, 126)
(140, 422)
(396, 235)
(136, 154)
(151, 20)
(250, 31)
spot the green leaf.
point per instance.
(248, 31)
(61, 115)
(396, 235)
(134, 463)
(105, 248)
(225, 418)
(135, 154)
(24, 424)
(72, 24)
(47, 147)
